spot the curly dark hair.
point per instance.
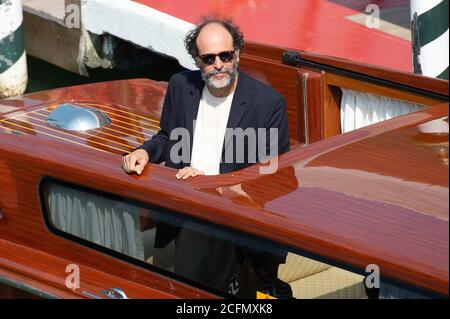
(190, 41)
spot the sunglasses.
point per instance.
(210, 58)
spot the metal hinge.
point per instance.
(114, 293)
(111, 293)
(292, 58)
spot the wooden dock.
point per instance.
(46, 35)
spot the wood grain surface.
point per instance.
(377, 195)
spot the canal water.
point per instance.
(44, 76)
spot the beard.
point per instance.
(227, 80)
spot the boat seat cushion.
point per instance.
(311, 279)
(298, 267)
(333, 283)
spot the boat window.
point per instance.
(217, 259)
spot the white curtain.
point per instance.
(361, 109)
(100, 220)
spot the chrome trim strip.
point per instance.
(87, 294)
(305, 106)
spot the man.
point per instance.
(213, 100)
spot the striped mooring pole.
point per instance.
(430, 37)
(13, 61)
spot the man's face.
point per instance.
(214, 39)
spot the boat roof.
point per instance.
(329, 27)
(377, 195)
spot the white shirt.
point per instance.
(209, 132)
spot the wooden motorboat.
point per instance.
(358, 214)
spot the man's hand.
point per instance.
(135, 161)
(187, 172)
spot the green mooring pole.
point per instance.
(430, 37)
(13, 60)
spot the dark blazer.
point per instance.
(255, 105)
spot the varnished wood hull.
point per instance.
(335, 198)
